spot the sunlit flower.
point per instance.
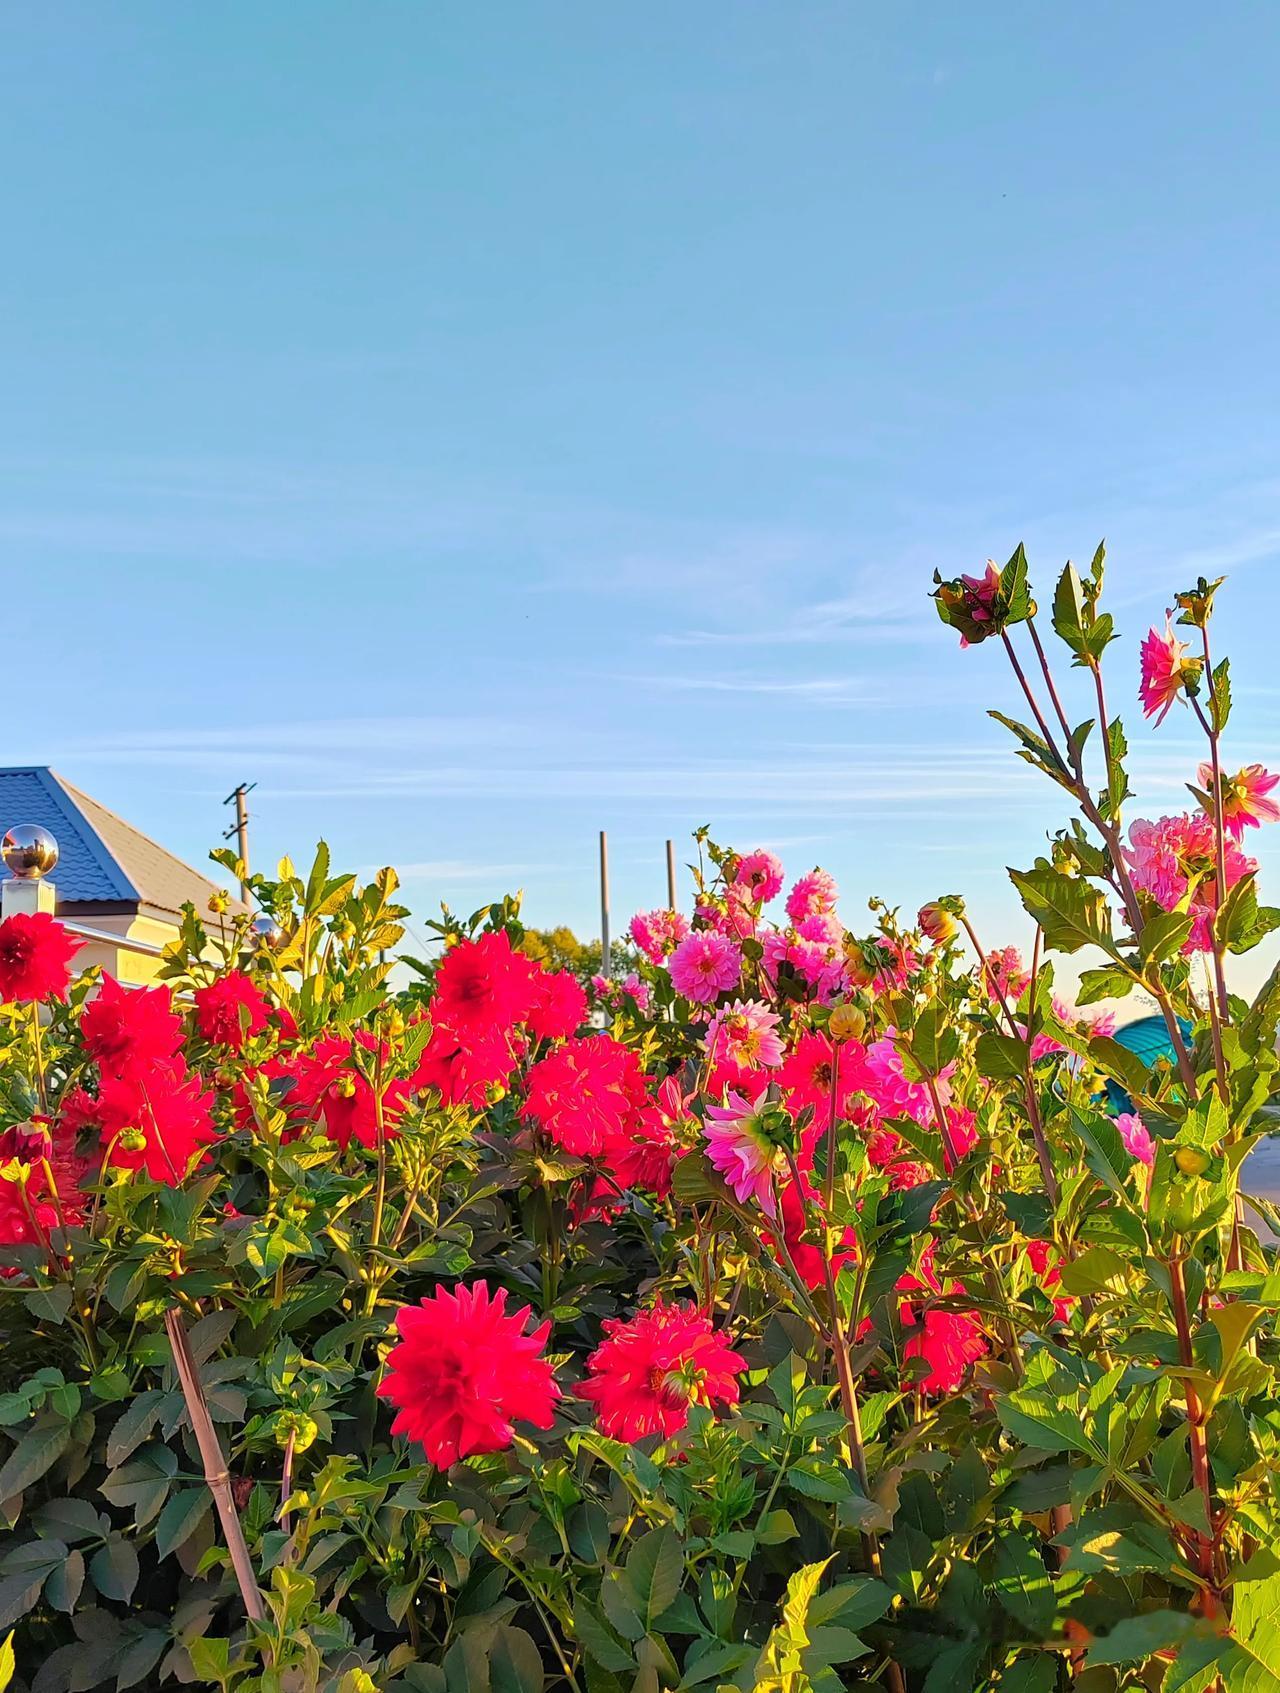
(483, 983)
(35, 951)
(704, 966)
(757, 877)
(465, 1372)
(1136, 1137)
(585, 1094)
(1005, 975)
(970, 604)
(465, 1072)
(948, 1341)
(1165, 671)
(937, 923)
(156, 1118)
(123, 1028)
(559, 1006)
(1046, 1261)
(646, 1373)
(814, 895)
(230, 1009)
(805, 1074)
(740, 1147)
(658, 933)
(745, 1033)
(1245, 804)
(1177, 854)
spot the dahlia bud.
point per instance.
(857, 970)
(133, 1140)
(30, 1142)
(1192, 1160)
(847, 1022)
(218, 903)
(937, 923)
(300, 1426)
(345, 1087)
(496, 1092)
(395, 1026)
(1196, 604)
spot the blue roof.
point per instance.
(101, 858)
(86, 870)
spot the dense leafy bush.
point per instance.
(849, 1312)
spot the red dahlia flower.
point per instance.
(585, 1094)
(230, 1009)
(130, 1028)
(463, 1072)
(483, 984)
(31, 1208)
(805, 1075)
(559, 1006)
(156, 1119)
(647, 1372)
(330, 1091)
(34, 953)
(465, 1372)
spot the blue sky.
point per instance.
(481, 426)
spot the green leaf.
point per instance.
(62, 1589)
(7, 1665)
(1022, 1583)
(1105, 1152)
(1134, 1639)
(50, 1304)
(114, 1569)
(1001, 1057)
(851, 1604)
(1107, 981)
(653, 1574)
(1036, 1420)
(710, 1661)
(597, 1640)
(134, 1424)
(1029, 1674)
(515, 1665)
(23, 1573)
(183, 1513)
(1096, 1270)
(1070, 910)
(35, 1454)
(1069, 610)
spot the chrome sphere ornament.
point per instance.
(29, 851)
(266, 931)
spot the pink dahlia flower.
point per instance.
(1245, 804)
(657, 933)
(757, 877)
(745, 1033)
(739, 1147)
(1163, 671)
(814, 895)
(1136, 1137)
(704, 966)
(1177, 853)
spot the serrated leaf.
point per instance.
(34, 1455)
(183, 1513)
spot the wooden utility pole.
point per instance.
(605, 949)
(240, 829)
(671, 876)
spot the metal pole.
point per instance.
(241, 830)
(671, 875)
(605, 960)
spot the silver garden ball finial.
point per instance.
(266, 931)
(29, 852)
